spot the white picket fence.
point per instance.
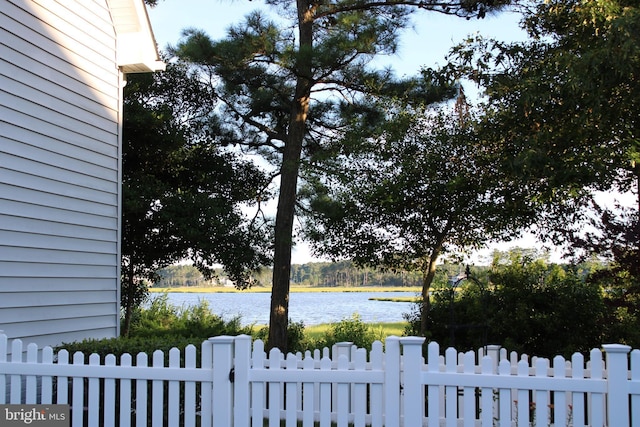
(235, 383)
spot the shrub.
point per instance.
(164, 318)
(162, 326)
(353, 330)
(297, 340)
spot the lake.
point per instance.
(311, 308)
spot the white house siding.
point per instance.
(59, 170)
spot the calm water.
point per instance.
(310, 308)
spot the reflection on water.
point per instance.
(310, 308)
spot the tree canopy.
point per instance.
(564, 104)
(183, 195)
(295, 82)
(424, 187)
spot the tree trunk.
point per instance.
(428, 274)
(283, 240)
(128, 303)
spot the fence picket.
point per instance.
(342, 393)
(31, 380)
(274, 389)
(125, 393)
(291, 405)
(173, 391)
(360, 390)
(16, 382)
(109, 395)
(597, 399)
(541, 401)
(487, 393)
(77, 392)
(206, 388)
(325, 395)
(93, 394)
(190, 389)
(62, 397)
(451, 392)
(504, 395)
(559, 409)
(522, 403)
(433, 391)
(157, 390)
(47, 381)
(392, 383)
(377, 389)
(309, 394)
(31, 384)
(258, 390)
(141, 392)
(469, 397)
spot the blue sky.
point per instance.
(424, 45)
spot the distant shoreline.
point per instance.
(223, 289)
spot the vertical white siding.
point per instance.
(59, 170)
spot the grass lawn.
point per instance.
(397, 299)
(384, 329)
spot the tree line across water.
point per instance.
(343, 274)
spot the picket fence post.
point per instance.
(222, 397)
(412, 368)
(493, 351)
(617, 383)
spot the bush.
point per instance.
(162, 326)
(526, 306)
(163, 318)
(353, 330)
(297, 340)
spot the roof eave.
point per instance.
(137, 50)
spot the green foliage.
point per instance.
(426, 186)
(347, 274)
(353, 330)
(527, 305)
(296, 337)
(180, 275)
(161, 325)
(198, 321)
(182, 190)
(563, 106)
(314, 274)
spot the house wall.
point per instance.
(59, 170)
